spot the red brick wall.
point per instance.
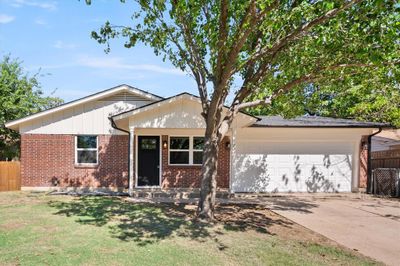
(363, 163)
(50, 159)
(190, 176)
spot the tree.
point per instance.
(20, 95)
(255, 52)
(374, 99)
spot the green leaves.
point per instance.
(20, 95)
(291, 40)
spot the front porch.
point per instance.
(170, 159)
(166, 144)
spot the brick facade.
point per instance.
(49, 160)
(363, 173)
(190, 176)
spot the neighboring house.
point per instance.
(388, 139)
(103, 140)
(385, 150)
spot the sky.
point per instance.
(53, 37)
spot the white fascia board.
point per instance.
(172, 100)
(13, 124)
(152, 106)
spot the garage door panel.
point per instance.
(252, 172)
(264, 168)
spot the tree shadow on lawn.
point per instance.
(147, 223)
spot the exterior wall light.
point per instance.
(165, 144)
(227, 145)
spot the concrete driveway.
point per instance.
(363, 223)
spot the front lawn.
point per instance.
(38, 229)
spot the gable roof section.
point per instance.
(105, 94)
(162, 102)
(315, 121)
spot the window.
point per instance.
(86, 149)
(179, 150)
(198, 146)
(148, 144)
(186, 150)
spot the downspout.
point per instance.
(113, 125)
(369, 163)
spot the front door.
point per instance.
(148, 161)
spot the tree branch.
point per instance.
(244, 30)
(300, 31)
(317, 74)
(198, 68)
(241, 36)
(222, 38)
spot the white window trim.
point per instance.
(190, 150)
(195, 150)
(86, 149)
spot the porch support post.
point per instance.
(355, 182)
(232, 156)
(131, 159)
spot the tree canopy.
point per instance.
(267, 45)
(20, 95)
(263, 52)
(374, 99)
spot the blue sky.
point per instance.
(54, 36)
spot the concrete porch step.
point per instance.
(174, 193)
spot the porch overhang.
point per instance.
(182, 111)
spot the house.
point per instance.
(385, 149)
(386, 140)
(124, 134)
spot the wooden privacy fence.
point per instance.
(385, 159)
(10, 176)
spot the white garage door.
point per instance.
(292, 167)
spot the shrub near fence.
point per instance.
(10, 176)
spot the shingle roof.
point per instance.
(313, 121)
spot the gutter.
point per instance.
(369, 163)
(113, 125)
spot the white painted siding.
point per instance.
(295, 160)
(181, 113)
(88, 118)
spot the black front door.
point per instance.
(148, 161)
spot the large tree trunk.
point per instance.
(209, 177)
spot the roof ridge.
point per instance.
(65, 105)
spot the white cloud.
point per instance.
(117, 63)
(62, 45)
(40, 4)
(4, 19)
(47, 67)
(40, 21)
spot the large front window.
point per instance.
(86, 149)
(186, 150)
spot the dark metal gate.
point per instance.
(386, 182)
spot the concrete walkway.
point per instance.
(360, 222)
(366, 224)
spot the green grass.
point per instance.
(38, 229)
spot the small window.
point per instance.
(179, 150)
(179, 143)
(179, 157)
(86, 149)
(186, 150)
(198, 146)
(148, 144)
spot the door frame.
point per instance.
(137, 156)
